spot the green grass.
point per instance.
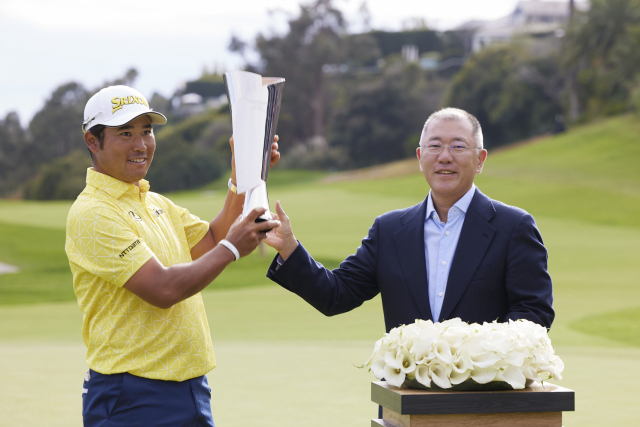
(32, 238)
(623, 325)
(601, 155)
(282, 363)
(589, 174)
(37, 214)
(44, 269)
(45, 276)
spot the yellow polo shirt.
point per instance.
(114, 228)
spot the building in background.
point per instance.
(533, 17)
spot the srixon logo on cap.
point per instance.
(118, 103)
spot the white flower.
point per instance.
(455, 322)
(443, 352)
(439, 374)
(514, 377)
(407, 337)
(484, 375)
(390, 358)
(558, 367)
(552, 369)
(484, 360)
(455, 336)
(422, 375)
(449, 353)
(494, 340)
(393, 337)
(408, 364)
(423, 324)
(399, 358)
(544, 375)
(515, 358)
(459, 377)
(461, 367)
(379, 350)
(423, 350)
(394, 376)
(378, 368)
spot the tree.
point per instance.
(12, 138)
(379, 118)
(514, 94)
(603, 45)
(54, 133)
(191, 153)
(56, 129)
(64, 178)
(315, 38)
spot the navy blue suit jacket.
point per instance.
(499, 270)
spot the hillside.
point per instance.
(582, 188)
(589, 174)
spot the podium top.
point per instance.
(537, 398)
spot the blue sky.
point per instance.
(45, 43)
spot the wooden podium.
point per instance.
(534, 406)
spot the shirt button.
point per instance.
(440, 294)
(447, 232)
(444, 262)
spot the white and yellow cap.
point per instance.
(116, 106)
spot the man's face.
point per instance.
(127, 150)
(450, 176)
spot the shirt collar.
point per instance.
(462, 204)
(114, 187)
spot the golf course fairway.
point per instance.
(281, 363)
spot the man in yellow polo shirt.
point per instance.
(139, 263)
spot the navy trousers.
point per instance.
(124, 400)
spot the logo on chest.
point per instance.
(135, 216)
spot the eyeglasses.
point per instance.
(457, 147)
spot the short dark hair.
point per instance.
(450, 114)
(98, 132)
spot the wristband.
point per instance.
(232, 187)
(227, 244)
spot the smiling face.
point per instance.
(450, 176)
(127, 150)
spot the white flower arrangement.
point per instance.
(457, 355)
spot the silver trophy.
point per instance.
(254, 102)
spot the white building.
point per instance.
(529, 17)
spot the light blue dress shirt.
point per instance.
(440, 242)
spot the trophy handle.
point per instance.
(256, 198)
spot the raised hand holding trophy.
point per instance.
(254, 102)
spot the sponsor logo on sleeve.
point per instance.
(128, 249)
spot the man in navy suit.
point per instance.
(456, 254)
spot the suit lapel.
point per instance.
(409, 245)
(475, 238)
